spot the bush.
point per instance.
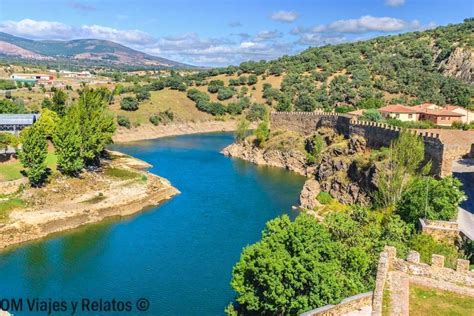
(262, 133)
(196, 95)
(242, 130)
(324, 198)
(129, 104)
(225, 93)
(155, 119)
(257, 112)
(432, 199)
(123, 121)
(427, 246)
(372, 115)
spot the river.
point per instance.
(178, 255)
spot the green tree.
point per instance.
(306, 102)
(242, 130)
(59, 102)
(129, 104)
(48, 121)
(257, 112)
(431, 198)
(404, 158)
(33, 154)
(97, 125)
(262, 132)
(282, 275)
(7, 140)
(68, 142)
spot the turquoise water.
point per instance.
(178, 255)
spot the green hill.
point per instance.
(85, 51)
(430, 66)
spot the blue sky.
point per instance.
(216, 33)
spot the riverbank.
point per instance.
(120, 189)
(149, 131)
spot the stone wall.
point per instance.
(436, 270)
(349, 304)
(377, 135)
(440, 230)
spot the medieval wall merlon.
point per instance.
(377, 134)
(436, 270)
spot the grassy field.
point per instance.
(425, 301)
(11, 170)
(183, 108)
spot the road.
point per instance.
(464, 171)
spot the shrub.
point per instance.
(129, 104)
(427, 246)
(257, 112)
(262, 133)
(123, 121)
(155, 119)
(324, 198)
(432, 199)
(372, 115)
(224, 93)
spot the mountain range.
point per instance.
(80, 52)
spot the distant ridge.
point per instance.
(86, 52)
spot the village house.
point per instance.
(400, 112)
(468, 116)
(442, 116)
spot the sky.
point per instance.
(224, 32)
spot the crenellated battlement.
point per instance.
(436, 270)
(377, 134)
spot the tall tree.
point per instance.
(404, 158)
(97, 125)
(33, 154)
(67, 142)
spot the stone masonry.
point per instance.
(441, 146)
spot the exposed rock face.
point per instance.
(338, 172)
(291, 160)
(460, 64)
(309, 193)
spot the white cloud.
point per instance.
(363, 24)
(37, 29)
(56, 30)
(268, 35)
(284, 16)
(394, 3)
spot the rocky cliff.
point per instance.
(291, 160)
(460, 64)
(342, 168)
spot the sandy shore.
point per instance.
(149, 131)
(66, 206)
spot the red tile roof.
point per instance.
(357, 112)
(442, 112)
(397, 108)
